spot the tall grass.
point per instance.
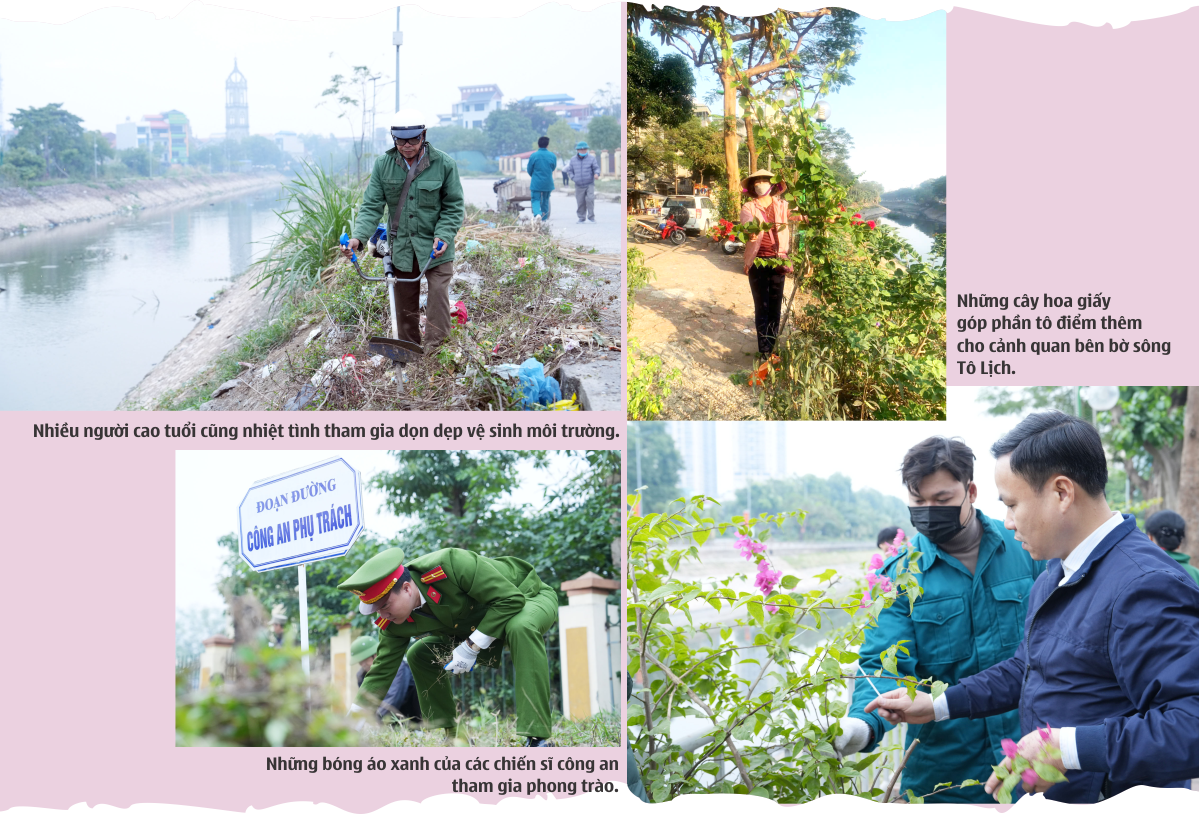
(318, 209)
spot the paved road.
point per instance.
(606, 234)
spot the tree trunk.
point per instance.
(750, 146)
(1188, 480)
(730, 137)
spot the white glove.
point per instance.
(463, 660)
(354, 716)
(855, 736)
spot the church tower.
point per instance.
(237, 110)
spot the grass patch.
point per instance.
(486, 729)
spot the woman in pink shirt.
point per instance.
(766, 206)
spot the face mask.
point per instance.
(582, 153)
(761, 190)
(938, 523)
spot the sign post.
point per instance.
(306, 515)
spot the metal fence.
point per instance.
(187, 672)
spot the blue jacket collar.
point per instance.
(1115, 536)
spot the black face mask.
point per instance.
(938, 523)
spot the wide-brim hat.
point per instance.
(363, 648)
(377, 576)
(766, 174)
(582, 145)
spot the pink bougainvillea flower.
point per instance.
(899, 537)
(1009, 747)
(841, 207)
(748, 546)
(1030, 776)
(871, 580)
(865, 603)
(870, 223)
(772, 608)
(1045, 733)
(767, 578)
(884, 584)
(876, 562)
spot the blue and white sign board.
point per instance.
(309, 514)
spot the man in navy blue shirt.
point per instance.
(1109, 664)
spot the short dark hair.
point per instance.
(543, 142)
(887, 535)
(404, 577)
(1053, 443)
(1168, 529)
(934, 454)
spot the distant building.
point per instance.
(290, 143)
(445, 119)
(576, 116)
(237, 109)
(126, 135)
(476, 103)
(551, 99)
(166, 135)
(179, 135)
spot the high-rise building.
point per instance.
(237, 109)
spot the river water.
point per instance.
(89, 308)
(919, 233)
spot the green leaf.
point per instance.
(789, 581)
(1048, 772)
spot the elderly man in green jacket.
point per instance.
(976, 580)
(449, 611)
(420, 188)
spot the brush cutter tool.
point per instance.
(400, 351)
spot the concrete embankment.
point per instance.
(24, 210)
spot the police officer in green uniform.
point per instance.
(461, 609)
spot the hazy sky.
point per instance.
(895, 109)
(116, 62)
(209, 486)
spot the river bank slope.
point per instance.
(23, 210)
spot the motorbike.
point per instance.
(730, 247)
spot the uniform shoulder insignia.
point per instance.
(382, 623)
(435, 595)
(435, 575)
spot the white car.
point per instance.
(701, 210)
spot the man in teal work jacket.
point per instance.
(976, 579)
(541, 178)
(419, 185)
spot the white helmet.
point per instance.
(407, 122)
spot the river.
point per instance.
(88, 309)
(919, 233)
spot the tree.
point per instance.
(835, 511)
(457, 139)
(563, 139)
(55, 136)
(136, 159)
(24, 165)
(1188, 478)
(350, 94)
(508, 132)
(1143, 433)
(702, 150)
(659, 88)
(538, 117)
(261, 152)
(456, 499)
(656, 462)
(603, 133)
(211, 157)
(817, 47)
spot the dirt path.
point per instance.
(698, 315)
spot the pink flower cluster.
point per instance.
(767, 578)
(748, 546)
(1010, 749)
(897, 545)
